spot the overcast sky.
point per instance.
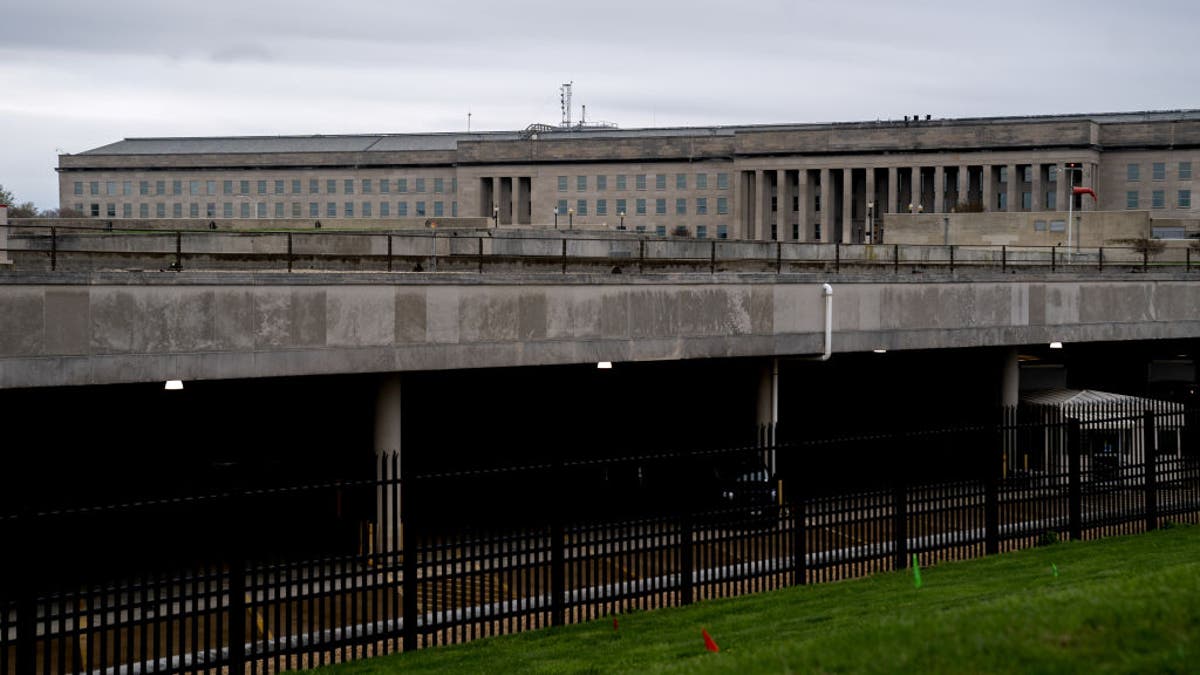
(76, 74)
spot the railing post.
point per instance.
(289, 251)
(1004, 259)
(1075, 480)
(178, 251)
(687, 580)
(895, 258)
(799, 541)
(1151, 463)
(409, 545)
(837, 257)
(564, 255)
(900, 527)
(1101, 258)
(237, 611)
(712, 258)
(389, 252)
(53, 249)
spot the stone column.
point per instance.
(496, 201)
(783, 217)
(964, 185)
(871, 189)
(1061, 189)
(739, 205)
(1086, 203)
(893, 189)
(387, 446)
(847, 205)
(1036, 188)
(803, 199)
(826, 205)
(5, 259)
(1014, 190)
(768, 411)
(517, 200)
(986, 184)
(762, 205)
(939, 189)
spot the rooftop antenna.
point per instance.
(468, 121)
(564, 97)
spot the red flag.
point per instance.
(1085, 191)
(708, 642)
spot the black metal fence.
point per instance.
(35, 246)
(221, 583)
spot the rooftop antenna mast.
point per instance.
(564, 96)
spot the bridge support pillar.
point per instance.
(388, 519)
(768, 410)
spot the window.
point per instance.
(94, 187)
(402, 209)
(774, 232)
(144, 211)
(795, 230)
(420, 207)
(681, 181)
(621, 206)
(601, 183)
(314, 210)
(226, 209)
(581, 207)
(262, 187)
(1002, 201)
(1058, 226)
(144, 187)
(1132, 172)
(330, 186)
(1027, 201)
(127, 187)
(1158, 199)
(1003, 176)
(160, 210)
(1131, 199)
(681, 206)
(244, 209)
(722, 184)
(279, 213)
(454, 185)
(701, 231)
(439, 185)
(640, 205)
(1051, 200)
(314, 186)
(701, 184)
(279, 187)
(366, 209)
(1052, 173)
(367, 187)
(331, 209)
(348, 186)
(702, 206)
(722, 206)
(385, 209)
(562, 183)
(94, 209)
(660, 181)
(160, 187)
(660, 207)
(385, 186)
(260, 210)
(296, 188)
(348, 210)
(244, 187)
(640, 228)
(660, 230)
(438, 209)
(110, 188)
(193, 187)
(1185, 199)
(210, 187)
(296, 209)
(581, 183)
(78, 187)
(193, 210)
(1027, 174)
(621, 185)
(454, 209)
(402, 185)
(1185, 171)
(602, 207)
(1039, 226)
(176, 210)
(640, 181)
(1159, 170)
(110, 210)
(210, 210)
(420, 185)
(126, 210)
(562, 207)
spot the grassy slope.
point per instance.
(1129, 604)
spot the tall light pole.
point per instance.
(622, 226)
(870, 222)
(556, 217)
(496, 217)
(1068, 168)
(570, 219)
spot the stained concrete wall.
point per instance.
(1094, 228)
(75, 329)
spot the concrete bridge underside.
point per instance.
(102, 328)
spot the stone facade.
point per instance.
(804, 182)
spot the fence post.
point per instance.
(1075, 480)
(289, 251)
(900, 526)
(1151, 462)
(799, 542)
(712, 258)
(53, 248)
(409, 553)
(178, 251)
(687, 580)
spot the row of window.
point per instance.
(722, 231)
(1158, 171)
(639, 180)
(348, 186)
(280, 210)
(580, 207)
(1158, 199)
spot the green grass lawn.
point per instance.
(1127, 604)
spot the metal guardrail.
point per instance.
(54, 248)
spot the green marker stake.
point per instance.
(916, 572)
(1054, 570)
